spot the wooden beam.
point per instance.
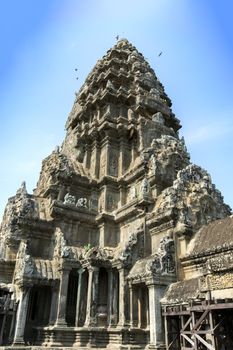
(218, 324)
(197, 332)
(176, 313)
(192, 324)
(199, 308)
(182, 340)
(209, 346)
(186, 324)
(211, 307)
(188, 339)
(172, 342)
(197, 324)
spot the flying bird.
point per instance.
(76, 69)
(117, 37)
(160, 53)
(77, 78)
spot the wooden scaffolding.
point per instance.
(201, 325)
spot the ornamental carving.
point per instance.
(69, 199)
(61, 249)
(164, 261)
(97, 253)
(145, 187)
(25, 265)
(133, 249)
(82, 202)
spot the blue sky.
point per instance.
(43, 41)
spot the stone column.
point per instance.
(121, 157)
(54, 305)
(135, 307)
(92, 295)
(122, 298)
(96, 159)
(115, 298)
(102, 233)
(63, 290)
(156, 292)
(139, 297)
(21, 316)
(110, 297)
(107, 150)
(147, 309)
(133, 151)
(131, 311)
(79, 291)
(87, 157)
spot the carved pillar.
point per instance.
(96, 159)
(92, 295)
(21, 316)
(107, 150)
(115, 298)
(79, 295)
(131, 313)
(147, 308)
(122, 298)
(102, 235)
(139, 305)
(54, 305)
(103, 158)
(133, 151)
(110, 297)
(135, 307)
(121, 157)
(63, 291)
(87, 157)
(156, 292)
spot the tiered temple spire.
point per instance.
(101, 238)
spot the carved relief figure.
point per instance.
(69, 199)
(25, 265)
(145, 187)
(113, 165)
(164, 261)
(82, 202)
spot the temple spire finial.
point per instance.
(22, 189)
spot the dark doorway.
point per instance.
(72, 298)
(38, 311)
(8, 308)
(223, 322)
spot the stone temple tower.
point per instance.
(86, 258)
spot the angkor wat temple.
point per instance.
(124, 243)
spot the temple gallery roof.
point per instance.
(212, 237)
(182, 291)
